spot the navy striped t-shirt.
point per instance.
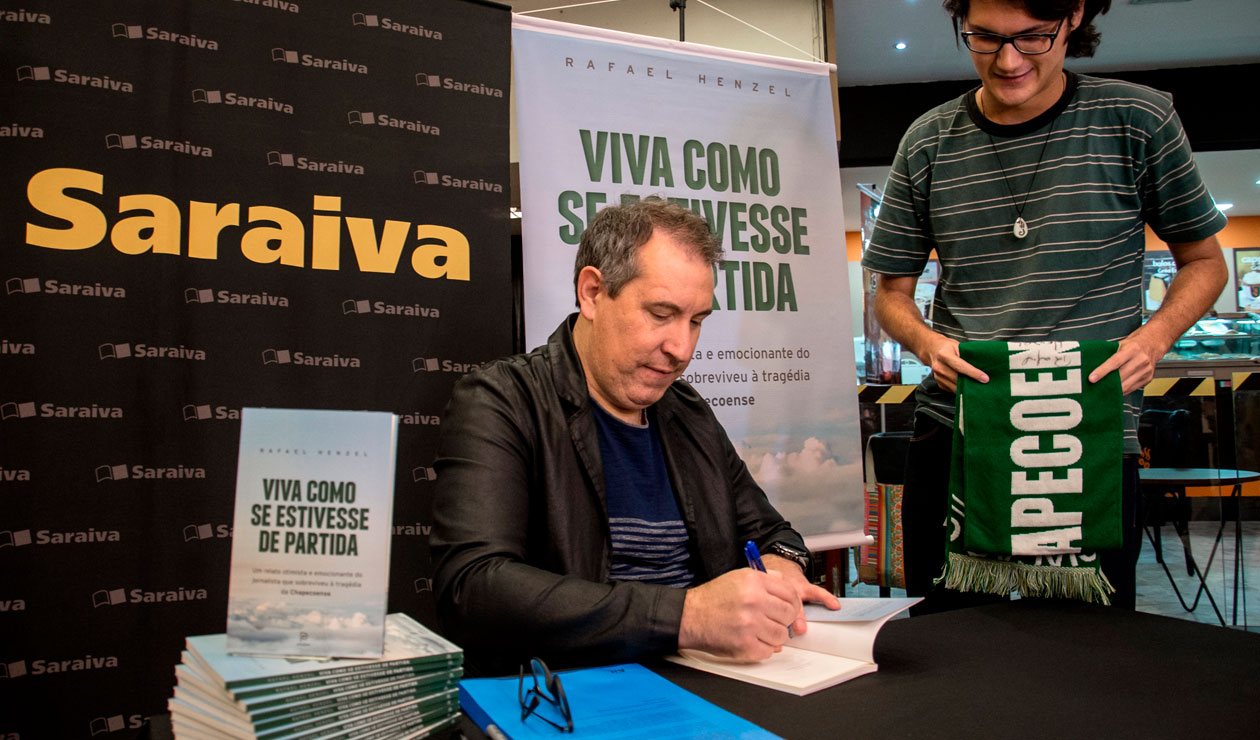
(649, 539)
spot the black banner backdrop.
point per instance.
(206, 205)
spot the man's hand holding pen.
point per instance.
(749, 613)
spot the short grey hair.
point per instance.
(612, 241)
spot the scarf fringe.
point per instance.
(982, 575)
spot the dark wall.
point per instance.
(1218, 107)
(134, 325)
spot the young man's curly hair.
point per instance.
(1081, 43)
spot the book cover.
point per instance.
(312, 531)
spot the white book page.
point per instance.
(858, 610)
(850, 631)
(793, 670)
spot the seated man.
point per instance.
(590, 508)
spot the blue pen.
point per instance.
(754, 561)
(754, 556)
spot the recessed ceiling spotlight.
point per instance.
(900, 46)
(1222, 207)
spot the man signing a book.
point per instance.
(590, 508)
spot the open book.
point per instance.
(838, 646)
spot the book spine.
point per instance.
(365, 723)
(421, 687)
(413, 728)
(258, 699)
(363, 705)
(348, 672)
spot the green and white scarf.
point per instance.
(1035, 479)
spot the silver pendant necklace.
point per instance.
(1020, 228)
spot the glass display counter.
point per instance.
(1215, 347)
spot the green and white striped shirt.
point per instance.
(1108, 157)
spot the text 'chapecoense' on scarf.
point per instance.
(1035, 479)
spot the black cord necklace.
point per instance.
(1020, 227)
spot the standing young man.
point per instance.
(1034, 190)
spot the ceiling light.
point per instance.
(1222, 207)
(900, 46)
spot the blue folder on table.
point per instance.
(618, 701)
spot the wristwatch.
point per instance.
(795, 554)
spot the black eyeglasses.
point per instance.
(547, 689)
(1025, 43)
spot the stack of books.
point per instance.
(410, 692)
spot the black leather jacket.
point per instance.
(521, 537)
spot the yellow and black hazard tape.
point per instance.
(1246, 382)
(1180, 387)
(1157, 387)
(886, 393)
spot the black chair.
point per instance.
(1164, 435)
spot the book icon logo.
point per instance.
(38, 74)
(207, 96)
(276, 357)
(198, 295)
(198, 532)
(359, 19)
(278, 158)
(425, 80)
(16, 669)
(111, 472)
(353, 306)
(423, 473)
(22, 285)
(425, 178)
(197, 412)
(108, 724)
(115, 351)
(423, 584)
(123, 31)
(19, 538)
(284, 55)
(17, 410)
(424, 364)
(366, 118)
(109, 598)
(120, 141)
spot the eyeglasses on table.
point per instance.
(546, 695)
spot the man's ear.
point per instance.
(590, 286)
(1074, 21)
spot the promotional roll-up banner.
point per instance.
(748, 142)
(207, 205)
